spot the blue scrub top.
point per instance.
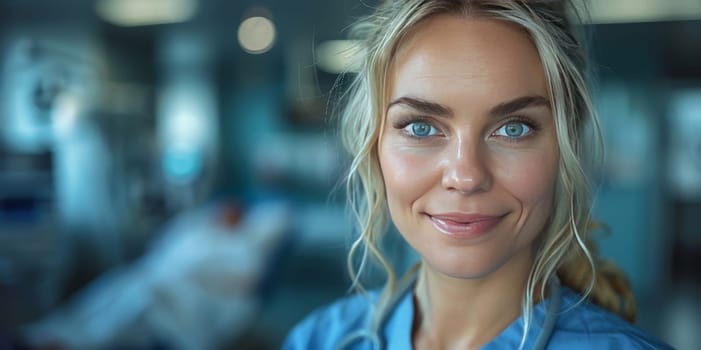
(579, 325)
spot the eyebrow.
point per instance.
(504, 108)
(422, 106)
(518, 104)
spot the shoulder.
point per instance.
(592, 327)
(325, 327)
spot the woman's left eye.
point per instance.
(514, 130)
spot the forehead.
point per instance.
(487, 59)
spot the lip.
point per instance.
(464, 226)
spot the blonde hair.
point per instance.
(564, 247)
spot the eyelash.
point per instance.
(404, 122)
(530, 123)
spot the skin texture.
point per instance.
(450, 154)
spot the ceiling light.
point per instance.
(129, 13)
(338, 56)
(632, 11)
(256, 34)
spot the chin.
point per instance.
(473, 265)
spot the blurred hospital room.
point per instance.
(170, 175)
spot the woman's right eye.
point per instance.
(419, 129)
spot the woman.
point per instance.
(467, 126)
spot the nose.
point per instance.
(465, 168)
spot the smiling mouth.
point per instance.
(464, 226)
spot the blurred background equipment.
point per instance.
(170, 176)
(196, 287)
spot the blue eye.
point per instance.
(513, 130)
(420, 129)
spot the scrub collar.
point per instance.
(391, 329)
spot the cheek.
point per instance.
(407, 175)
(531, 180)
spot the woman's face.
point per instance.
(468, 151)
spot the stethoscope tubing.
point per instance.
(378, 322)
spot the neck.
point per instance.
(467, 313)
